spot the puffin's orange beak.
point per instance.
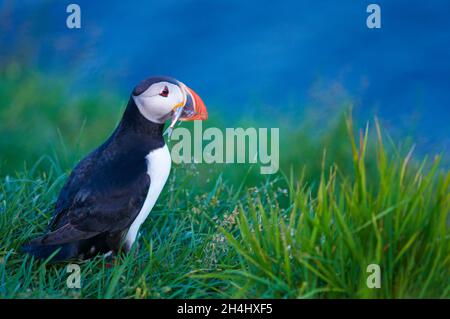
(194, 108)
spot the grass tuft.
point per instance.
(293, 235)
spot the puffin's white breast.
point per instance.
(158, 168)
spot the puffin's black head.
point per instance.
(159, 98)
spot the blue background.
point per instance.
(255, 57)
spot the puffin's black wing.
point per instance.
(104, 193)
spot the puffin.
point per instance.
(110, 193)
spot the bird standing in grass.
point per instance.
(110, 193)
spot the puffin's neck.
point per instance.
(134, 125)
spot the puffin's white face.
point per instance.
(157, 102)
(159, 98)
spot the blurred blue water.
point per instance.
(257, 56)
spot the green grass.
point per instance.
(338, 204)
(287, 237)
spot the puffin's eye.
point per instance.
(164, 92)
